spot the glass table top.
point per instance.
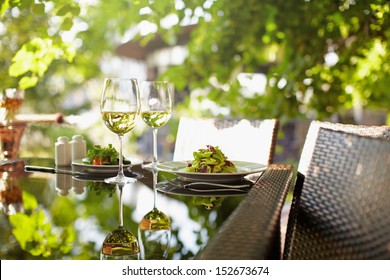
(59, 216)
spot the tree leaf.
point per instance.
(23, 228)
(24, 4)
(29, 201)
(39, 8)
(4, 7)
(28, 82)
(67, 23)
(64, 10)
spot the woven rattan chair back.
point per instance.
(312, 134)
(341, 209)
(239, 139)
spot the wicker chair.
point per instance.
(340, 206)
(252, 231)
(258, 145)
(312, 134)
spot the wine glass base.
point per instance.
(120, 180)
(149, 166)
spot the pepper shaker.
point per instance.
(78, 147)
(63, 154)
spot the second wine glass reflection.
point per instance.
(154, 230)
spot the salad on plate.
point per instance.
(210, 160)
(99, 155)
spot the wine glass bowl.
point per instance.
(119, 122)
(120, 109)
(120, 244)
(154, 232)
(156, 119)
(156, 109)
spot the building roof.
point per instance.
(136, 50)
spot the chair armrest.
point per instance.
(252, 231)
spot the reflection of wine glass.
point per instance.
(156, 108)
(120, 107)
(120, 244)
(154, 231)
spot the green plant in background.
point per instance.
(30, 51)
(36, 234)
(321, 58)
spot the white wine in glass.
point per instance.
(156, 109)
(120, 244)
(120, 109)
(154, 231)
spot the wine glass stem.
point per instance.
(120, 173)
(155, 159)
(120, 206)
(155, 172)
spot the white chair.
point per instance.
(239, 139)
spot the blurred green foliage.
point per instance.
(36, 234)
(289, 41)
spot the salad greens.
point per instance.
(209, 203)
(101, 188)
(99, 155)
(210, 160)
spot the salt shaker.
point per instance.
(63, 156)
(62, 184)
(78, 147)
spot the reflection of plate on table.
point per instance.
(96, 177)
(208, 191)
(109, 169)
(243, 169)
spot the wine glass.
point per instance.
(154, 231)
(156, 109)
(120, 108)
(120, 244)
